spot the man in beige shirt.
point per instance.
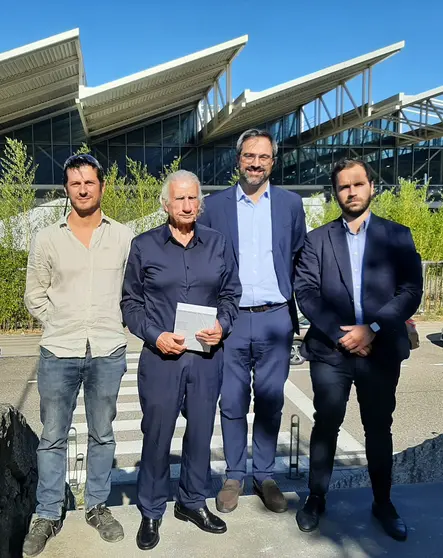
(73, 287)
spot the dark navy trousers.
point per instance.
(260, 342)
(167, 384)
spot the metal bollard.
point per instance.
(74, 475)
(294, 472)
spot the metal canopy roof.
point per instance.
(251, 108)
(39, 78)
(170, 86)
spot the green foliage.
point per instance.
(406, 205)
(17, 196)
(235, 177)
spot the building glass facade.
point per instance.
(158, 142)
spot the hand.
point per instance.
(357, 338)
(170, 343)
(366, 351)
(210, 336)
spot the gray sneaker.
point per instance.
(100, 517)
(39, 534)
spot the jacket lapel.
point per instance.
(231, 218)
(337, 235)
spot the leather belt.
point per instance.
(263, 307)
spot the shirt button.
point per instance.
(187, 267)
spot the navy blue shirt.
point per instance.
(161, 272)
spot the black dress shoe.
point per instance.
(389, 519)
(148, 536)
(203, 518)
(271, 496)
(308, 517)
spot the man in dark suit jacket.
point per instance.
(358, 280)
(266, 226)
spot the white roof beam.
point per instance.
(36, 108)
(40, 72)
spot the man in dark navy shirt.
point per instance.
(178, 262)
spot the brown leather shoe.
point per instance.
(271, 495)
(227, 498)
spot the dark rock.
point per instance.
(18, 480)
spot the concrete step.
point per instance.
(346, 530)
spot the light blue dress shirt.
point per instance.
(256, 262)
(356, 246)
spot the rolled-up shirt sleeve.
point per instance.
(38, 280)
(230, 291)
(133, 303)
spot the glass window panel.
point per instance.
(189, 159)
(153, 134)
(276, 130)
(324, 165)
(77, 132)
(436, 167)
(387, 171)
(276, 177)
(170, 154)
(42, 131)
(61, 129)
(43, 158)
(307, 165)
(23, 134)
(136, 153)
(171, 131)
(289, 126)
(224, 164)
(135, 137)
(117, 154)
(405, 162)
(207, 165)
(153, 160)
(118, 140)
(61, 153)
(421, 164)
(188, 127)
(290, 166)
(100, 151)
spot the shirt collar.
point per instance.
(241, 195)
(63, 221)
(167, 234)
(363, 226)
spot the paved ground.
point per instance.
(346, 531)
(419, 413)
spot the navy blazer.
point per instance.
(288, 232)
(391, 289)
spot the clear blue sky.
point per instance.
(287, 38)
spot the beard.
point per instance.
(254, 181)
(355, 208)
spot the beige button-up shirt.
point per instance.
(75, 291)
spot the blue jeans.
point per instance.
(59, 381)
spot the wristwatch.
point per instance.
(375, 328)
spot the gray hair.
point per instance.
(182, 175)
(256, 133)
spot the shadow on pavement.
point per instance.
(436, 338)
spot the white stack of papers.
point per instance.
(191, 318)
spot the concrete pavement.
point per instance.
(346, 531)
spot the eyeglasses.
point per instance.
(250, 157)
(82, 158)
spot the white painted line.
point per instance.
(127, 407)
(439, 364)
(135, 446)
(132, 366)
(346, 442)
(294, 368)
(128, 475)
(135, 424)
(32, 381)
(129, 378)
(132, 356)
(132, 390)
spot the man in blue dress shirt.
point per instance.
(266, 228)
(179, 261)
